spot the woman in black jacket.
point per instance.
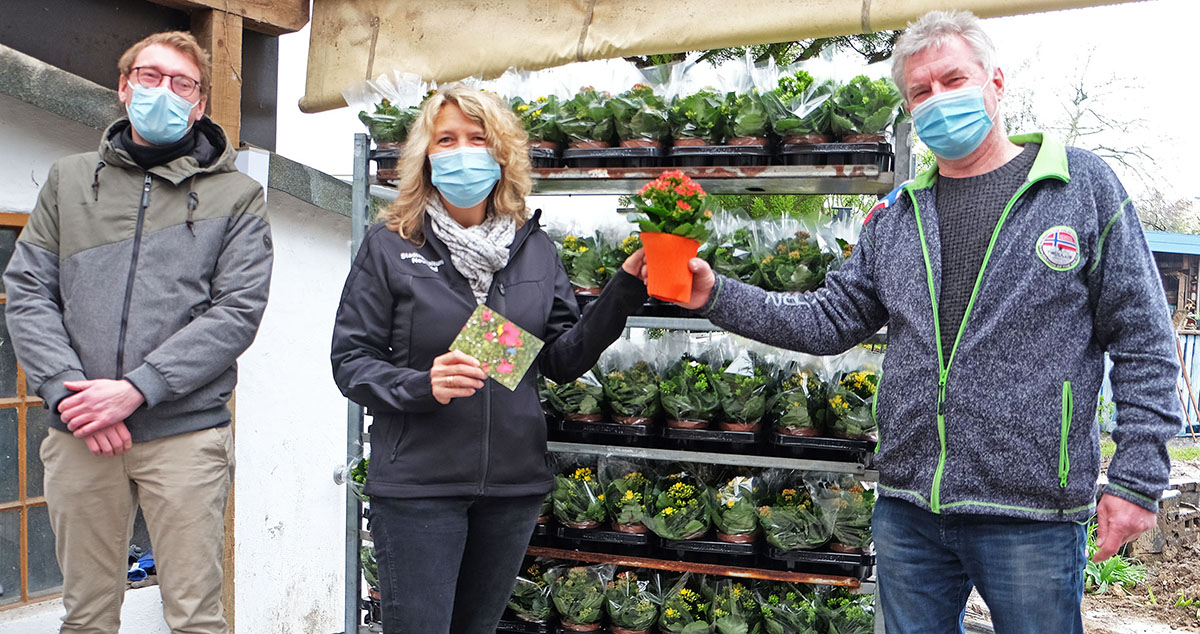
(459, 466)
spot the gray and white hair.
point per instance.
(935, 29)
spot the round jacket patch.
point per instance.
(1058, 247)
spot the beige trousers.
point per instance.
(182, 485)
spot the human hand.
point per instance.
(97, 404)
(455, 375)
(1119, 521)
(703, 280)
(635, 264)
(113, 440)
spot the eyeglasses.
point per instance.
(181, 85)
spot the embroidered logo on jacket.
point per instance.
(1058, 247)
(417, 258)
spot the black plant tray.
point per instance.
(710, 551)
(607, 433)
(384, 153)
(510, 623)
(712, 439)
(715, 155)
(606, 540)
(859, 565)
(541, 535)
(603, 629)
(658, 308)
(600, 157)
(543, 157)
(822, 448)
(642, 156)
(878, 154)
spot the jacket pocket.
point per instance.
(1064, 456)
(401, 427)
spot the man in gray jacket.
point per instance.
(139, 279)
(1003, 275)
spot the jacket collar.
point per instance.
(181, 168)
(1051, 162)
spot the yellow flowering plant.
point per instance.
(688, 393)
(735, 609)
(580, 400)
(799, 407)
(790, 519)
(685, 610)
(846, 613)
(626, 488)
(530, 599)
(733, 507)
(590, 261)
(850, 402)
(578, 497)
(631, 603)
(676, 508)
(852, 505)
(788, 609)
(743, 389)
(578, 593)
(790, 259)
(540, 118)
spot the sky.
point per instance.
(1147, 46)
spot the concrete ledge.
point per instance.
(55, 90)
(312, 186)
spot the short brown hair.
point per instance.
(181, 41)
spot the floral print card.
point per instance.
(504, 351)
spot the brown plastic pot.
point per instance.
(585, 418)
(640, 143)
(687, 424)
(637, 528)
(580, 627)
(691, 142)
(747, 140)
(641, 421)
(798, 431)
(806, 139)
(582, 525)
(588, 145)
(727, 426)
(736, 539)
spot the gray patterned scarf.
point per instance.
(476, 252)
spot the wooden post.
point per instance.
(220, 33)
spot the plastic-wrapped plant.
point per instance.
(799, 108)
(748, 119)
(578, 400)
(676, 509)
(578, 497)
(626, 488)
(852, 505)
(547, 509)
(590, 262)
(578, 595)
(734, 609)
(733, 508)
(864, 108)
(540, 118)
(631, 604)
(851, 401)
(389, 124)
(370, 567)
(685, 610)
(358, 479)
(786, 609)
(630, 382)
(846, 613)
(586, 120)
(701, 118)
(641, 117)
(728, 250)
(742, 389)
(530, 599)
(794, 263)
(688, 395)
(799, 407)
(790, 519)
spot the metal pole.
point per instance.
(360, 189)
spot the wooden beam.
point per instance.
(220, 34)
(273, 17)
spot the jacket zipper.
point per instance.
(487, 436)
(1068, 413)
(945, 364)
(137, 247)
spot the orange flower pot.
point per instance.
(667, 275)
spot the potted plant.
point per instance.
(790, 519)
(631, 391)
(845, 613)
(795, 263)
(728, 250)
(641, 117)
(540, 118)
(700, 118)
(673, 217)
(370, 569)
(632, 608)
(687, 393)
(786, 609)
(863, 109)
(800, 391)
(625, 496)
(684, 610)
(851, 403)
(799, 107)
(578, 498)
(579, 400)
(590, 262)
(853, 505)
(741, 387)
(578, 595)
(586, 121)
(530, 599)
(358, 479)
(734, 609)
(675, 508)
(749, 124)
(733, 508)
(546, 510)
(388, 126)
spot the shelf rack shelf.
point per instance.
(758, 179)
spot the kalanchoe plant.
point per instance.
(578, 498)
(685, 611)
(703, 115)
(640, 115)
(864, 107)
(546, 509)
(540, 118)
(578, 400)
(370, 567)
(743, 395)
(853, 507)
(845, 613)
(589, 261)
(578, 595)
(794, 264)
(733, 508)
(530, 599)
(676, 509)
(625, 496)
(791, 521)
(585, 118)
(730, 255)
(799, 106)
(748, 116)
(688, 394)
(673, 203)
(358, 479)
(632, 393)
(734, 609)
(799, 406)
(786, 609)
(389, 124)
(631, 605)
(850, 402)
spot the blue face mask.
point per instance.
(954, 123)
(464, 176)
(159, 115)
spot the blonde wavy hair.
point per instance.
(506, 139)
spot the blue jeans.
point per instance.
(1029, 573)
(448, 565)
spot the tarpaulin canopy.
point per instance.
(446, 40)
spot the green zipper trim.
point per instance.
(944, 364)
(1104, 235)
(1009, 507)
(1133, 493)
(904, 491)
(1068, 412)
(875, 418)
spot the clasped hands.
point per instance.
(96, 412)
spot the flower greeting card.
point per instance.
(504, 351)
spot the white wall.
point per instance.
(31, 139)
(291, 434)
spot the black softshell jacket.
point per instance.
(404, 304)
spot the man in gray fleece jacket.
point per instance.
(1003, 275)
(140, 277)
